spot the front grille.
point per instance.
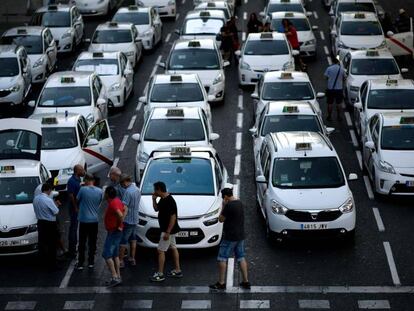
(14, 233)
(304, 216)
(54, 173)
(401, 188)
(407, 175)
(153, 234)
(4, 93)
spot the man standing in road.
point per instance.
(232, 215)
(167, 219)
(131, 198)
(89, 200)
(73, 187)
(334, 92)
(114, 176)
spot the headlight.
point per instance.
(90, 118)
(211, 222)
(383, 44)
(310, 42)
(347, 207)
(218, 79)
(15, 88)
(32, 228)
(114, 87)
(130, 53)
(386, 167)
(212, 213)
(143, 157)
(67, 34)
(171, 2)
(66, 171)
(244, 65)
(287, 65)
(278, 208)
(341, 45)
(39, 62)
(354, 88)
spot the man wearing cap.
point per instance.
(232, 216)
(403, 21)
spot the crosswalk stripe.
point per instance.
(374, 304)
(314, 304)
(79, 305)
(196, 304)
(137, 304)
(254, 304)
(20, 305)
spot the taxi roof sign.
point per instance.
(205, 14)
(291, 109)
(7, 169)
(49, 120)
(180, 151)
(286, 75)
(22, 31)
(211, 4)
(289, 14)
(67, 80)
(372, 53)
(359, 15)
(407, 120)
(194, 44)
(176, 78)
(113, 24)
(97, 54)
(284, 1)
(133, 8)
(52, 7)
(266, 35)
(392, 82)
(303, 146)
(175, 112)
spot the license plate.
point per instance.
(409, 183)
(314, 226)
(182, 234)
(9, 243)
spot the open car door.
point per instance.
(401, 43)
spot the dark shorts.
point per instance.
(128, 234)
(334, 96)
(228, 248)
(111, 246)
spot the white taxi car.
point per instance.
(341, 6)
(65, 22)
(216, 5)
(356, 31)
(263, 52)
(191, 174)
(385, 95)
(115, 71)
(231, 3)
(166, 8)
(114, 37)
(301, 187)
(285, 86)
(40, 47)
(188, 126)
(96, 7)
(201, 57)
(146, 20)
(360, 66)
(283, 6)
(15, 75)
(306, 37)
(388, 152)
(78, 92)
(67, 140)
(20, 173)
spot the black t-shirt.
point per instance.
(233, 229)
(166, 208)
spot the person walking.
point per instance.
(226, 42)
(253, 25)
(167, 219)
(46, 210)
(232, 215)
(292, 37)
(131, 198)
(73, 187)
(113, 220)
(89, 200)
(334, 92)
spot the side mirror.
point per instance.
(390, 33)
(136, 137)
(211, 98)
(309, 14)
(92, 142)
(262, 14)
(261, 179)
(331, 13)
(370, 145)
(177, 31)
(10, 143)
(100, 102)
(315, 27)
(253, 131)
(404, 70)
(226, 63)
(358, 105)
(237, 53)
(162, 65)
(254, 96)
(138, 40)
(143, 99)
(31, 103)
(128, 72)
(329, 130)
(87, 40)
(295, 52)
(320, 95)
(352, 176)
(214, 136)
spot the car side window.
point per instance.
(122, 64)
(99, 131)
(375, 133)
(364, 89)
(219, 177)
(43, 174)
(346, 62)
(81, 132)
(266, 168)
(206, 124)
(220, 163)
(259, 86)
(372, 123)
(261, 119)
(264, 157)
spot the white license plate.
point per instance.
(409, 183)
(314, 226)
(182, 234)
(9, 243)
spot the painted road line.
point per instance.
(168, 37)
(315, 14)
(325, 48)
(20, 305)
(378, 219)
(374, 304)
(132, 122)
(177, 16)
(391, 264)
(238, 141)
(230, 273)
(240, 119)
(68, 274)
(79, 305)
(196, 304)
(123, 143)
(245, 1)
(368, 187)
(236, 189)
(329, 59)
(348, 118)
(353, 138)
(139, 105)
(243, 36)
(146, 88)
(237, 163)
(137, 304)
(116, 160)
(254, 304)
(322, 35)
(183, 2)
(240, 102)
(359, 157)
(245, 16)
(314, 304)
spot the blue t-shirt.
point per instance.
(89, 198)
(331, 73)
(74, 185)
(131, 198)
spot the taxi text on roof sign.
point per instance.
(180, 151)
(7, 169)
(21, 31)
(175, 113)
(205, 14)
(52, 7)
(303, 146)
(266, 35)
(284, 1)
(176, 79)
(97, 54)
(67, 80)
(113, 24)
(291, 109)
(289, 14)
(211, 4)
(194, 44)
(392, 82)
(359, 15)
(372, 53)
(407, 120)
(49, 120)
(286, 75)
(133, 8)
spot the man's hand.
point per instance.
(154, 196)
(166, 236)
(58, 203)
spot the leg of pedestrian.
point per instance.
(92, 240)
(83, 235)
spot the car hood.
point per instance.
(17, 215)
(142, 28)
(60, 158)
(34, 57)
(363, 42)
(8, 82)
(109, 80)
(109, 47)
(266, 62)
(58, 32)
(206, 76)
(304, 36)
(399, 158)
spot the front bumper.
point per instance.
(249, 77)
(217, 90)
(12, 98)
(21, 245)
(394, 184)
(167, 11)
(308, 50)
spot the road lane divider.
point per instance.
(359, 157)
(65, 281)
(353, 138)
(168, 37)
(132, 122)
(240, 102)
(322, 35)
(378, 219)
(240, 119)
(238, 141)
(348, 119)
(325, 48)
(391, 264)
(123, 143)
(368, 187)
(237, 164)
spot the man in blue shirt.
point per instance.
(131, 198)
(89, 200)
(46, 210)
(73, 187)
(334, 92)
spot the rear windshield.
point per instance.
(300, 24)
(176, 92)
(367, 28)
(138, 18)
(378, 66)
(9, 67)
(285, 7)
(65, 97)
(178, 130)
(112, 36)
(286, 123)
(32, 44)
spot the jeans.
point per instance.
(111, 246)
(228, 248)
(87, 231)
(73, 230)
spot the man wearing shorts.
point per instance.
(232, 215)
(167, 219)
(334, 92)
(113, 219)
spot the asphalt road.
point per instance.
(374, 273)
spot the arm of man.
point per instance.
(223, 213)
(52, 206)
(73, 201)
(154, 203)
(173, 219)
(120, 218)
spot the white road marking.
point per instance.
(245, 1)
(368, 187)
(391, 264)
(68, 274)
(314, 304)
(238, 141)
(158, 59)
(20, 305)
(315, 14)
(322, 35)
(139, 105)
(359, 157)
(240, 119)
(236, 189)
(177, 16)
(348, 118)
(254, 304)
(245, 16)
(132, 122)
(329, 59)
(353, 138)
(243, 36)
(123, 143)
(183, 2)
(378, 219)
(137, 304)
(230, 273)
(154, 70)
(343, 105)
(196, 304)
(240, 102)
(374, 304)
(168, 37)
(79, 305)
(237, 163)
(325, 48)
(146, 88)
(116, 160)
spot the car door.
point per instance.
(101, 110)
(51, 49)
(78, 25)
(25, 68)
(366, 152)
(128, 72)
(98, 147)
(263, 169)
(359, 112)
(156, 21)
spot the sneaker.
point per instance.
(245, 285)
(158, 277)
(113, 282)
(79, 266)
(218, 286)
(132, 262)
(175, 274)
(122, 264)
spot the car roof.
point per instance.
(285, 1)
(56, 7)
(285, 144)
(81, 78)
(134, 9)
(59, 119)
(380, 84)
(171, 113)
(213, 14)
(114, 25)
(204, 44)
(381, 53)
(99, 55)
(263, 36)
(166, 78)
(278, 76)
(212, 4)
(285, 14)
(7, 50)
(354, 16)
(394, 118)
(22, 168)
(282, 107)
(24, 30)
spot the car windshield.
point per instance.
(367, 28)
(285, 123)
(102, 67)
(137, 18)
(65, 96)
(174, 130)
(206, 59)
(58, 138)
(17, 190)
(208, 26)
(176, 92)
(391, 99)
(301, 24)
(287, 91)
(182, 176)
(266, 47)
(366, 67)
(32, 44)
(355, 7)
(294, 173)
(285, 7)
(9, 67)
(52, 19)
(112, 36)
(19, 144)
(397, 137)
